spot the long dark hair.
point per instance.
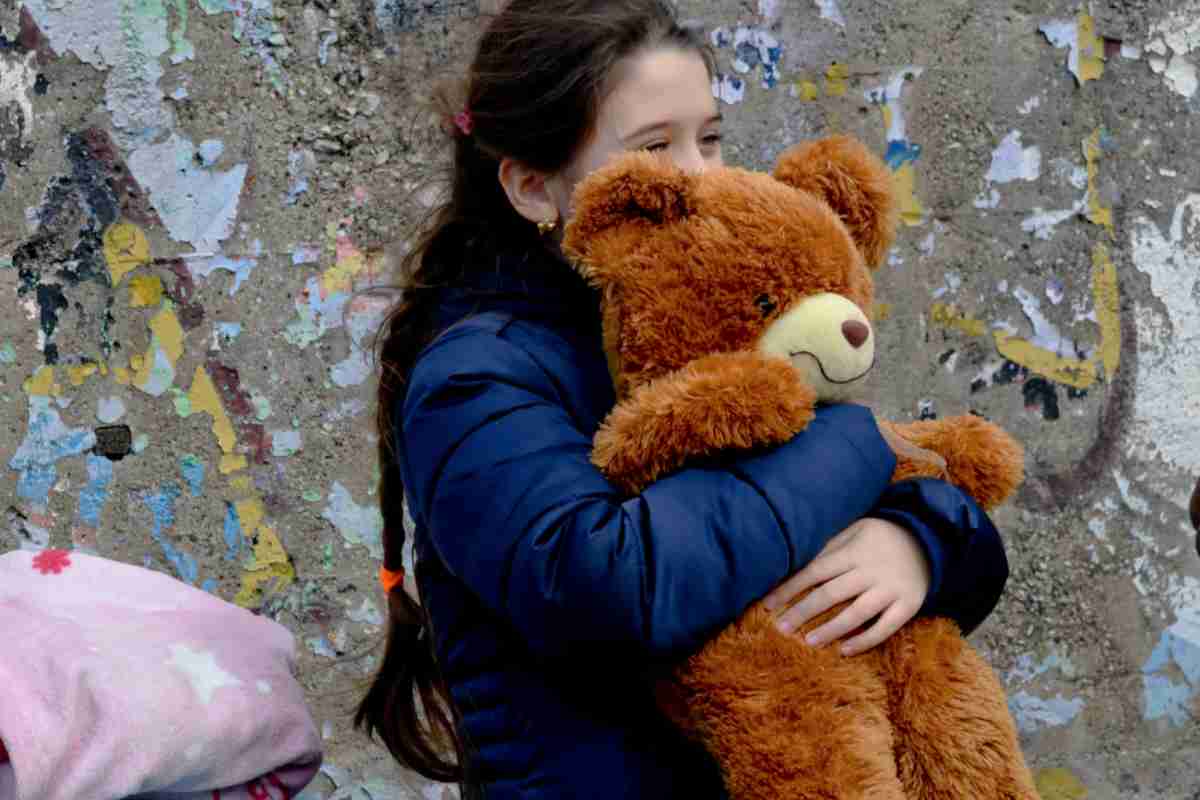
(533, 91)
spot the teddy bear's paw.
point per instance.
(722, 402)
(855, 183)
(981, 458)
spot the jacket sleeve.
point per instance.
(500, 477)
(967, 562)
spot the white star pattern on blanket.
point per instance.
(201, 670)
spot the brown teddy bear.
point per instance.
(733, 303)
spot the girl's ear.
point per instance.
(855, 183)
(527, 191)
(636, 190)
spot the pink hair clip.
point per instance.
(464, 122)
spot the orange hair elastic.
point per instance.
(389, 579)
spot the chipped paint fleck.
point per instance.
(1086, 49)
(1034, 713)
(285, 443)
(125, 249)
(901, 153)
(47, 441)
(948, 316)
(831, 11)
(1171, 42)
(203, 397)
(154, 372)
(110, 409)
(1057, 783)
(1097, 211)
(193, 470)
(145, 290)
(1011, 161)
(359, 525)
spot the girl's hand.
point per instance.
(876, 561)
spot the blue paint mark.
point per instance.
(193, 472)
(233, 532)
(900, 152)
(228, 331)
(162, 506)
(46, 441)
(93, 496)
(209, 151)
(210, 585)
(1164, 697)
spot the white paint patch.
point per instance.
(1166, 415)
(198, 206)
(1065, 171)
(1055, 291)
(1130, 51)
(359, 525)
(17, 77)
(831, 11)
(363, 320)
(1011, 161)
(729, 89)
(1065, 33)
(890, 95)
(201, 670)
(285, 443)
(1029, 105)
(1173, 40)
(126, 40)
(769, 9)
(953, 284)
(367, 613)
(1042, 223)
(1045, 333)
(988, 199)
(1033, 713)
(110, 409)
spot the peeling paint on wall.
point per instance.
(1086, 50)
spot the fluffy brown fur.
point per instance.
(693, 269)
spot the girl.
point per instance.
(547, 599)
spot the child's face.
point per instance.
(660, 100)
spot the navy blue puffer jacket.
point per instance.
(552, 597)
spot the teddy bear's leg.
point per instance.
(721, 402)
(981, 458)
(955, 737)
(786, 721)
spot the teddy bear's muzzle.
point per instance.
(829, 339)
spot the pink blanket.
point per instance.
(119, 682)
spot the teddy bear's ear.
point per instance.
(854, 182)
(635, 189)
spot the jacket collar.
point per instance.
(536, 284)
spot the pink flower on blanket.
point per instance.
(54, 561)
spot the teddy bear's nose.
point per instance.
(855, 332)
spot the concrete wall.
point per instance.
(191, 189)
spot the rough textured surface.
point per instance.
(192, 189)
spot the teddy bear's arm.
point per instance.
(721, 402)
(981, 458)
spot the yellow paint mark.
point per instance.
(42, 384)
(168, 337)
(232, 462)
(888, 116)
(808, 90)
(79, 374)
(125, 249)
(836, 80)
(948, 316)
(881, 311)
(268, 563)
(1067, 371)
(103, 368)
(905, 180)
(1059, 784)
(340, 277)
(1098, 213)
(241, 483)
(203, 397)
(1091, 49)
(145, 290)
(122, 376)
(1107, 297)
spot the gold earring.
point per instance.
(547, 225)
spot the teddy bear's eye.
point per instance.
(766, 304)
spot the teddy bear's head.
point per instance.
(729, 260)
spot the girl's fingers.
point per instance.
(824, 597)
(820, 570)
(865, 608)
(889, 622)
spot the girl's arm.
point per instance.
(501, 478)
